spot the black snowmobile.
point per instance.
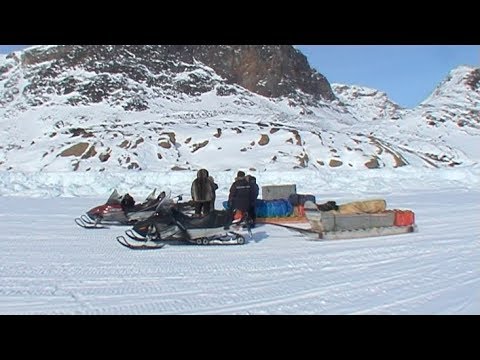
(118, 211)
(169, 225)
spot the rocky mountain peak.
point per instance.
(461, 79)
(272, 71)
(133, 76)
(367, 104)
(455, 100)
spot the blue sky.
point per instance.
(5, 49)
(407, 73)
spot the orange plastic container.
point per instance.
(404, 217)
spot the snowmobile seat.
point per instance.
(214, 219)
(143, 206)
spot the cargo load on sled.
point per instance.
(369, 218)
(329, 220)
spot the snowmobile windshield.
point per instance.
(166, 201)
(114, 198)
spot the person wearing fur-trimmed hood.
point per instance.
(203, 192)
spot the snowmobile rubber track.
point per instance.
(231, 238)
(145, 245)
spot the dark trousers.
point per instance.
(228, 217)
(206, 206)
(252, 213)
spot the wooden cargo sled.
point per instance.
(361, 219)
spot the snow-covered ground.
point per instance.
(48, 265)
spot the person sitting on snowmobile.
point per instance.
(127, 202)
(161, 196)
(238, 198)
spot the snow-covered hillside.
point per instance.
(367, 104)
(66, 109)
(450, 116)
(443, 130)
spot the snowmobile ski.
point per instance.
(89, 225)
(132, 236)
(139, 245)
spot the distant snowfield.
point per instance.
(48, 265)
(318, 182)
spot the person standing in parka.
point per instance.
(203, 193)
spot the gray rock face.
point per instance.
(133, 75)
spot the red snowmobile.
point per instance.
(119, 211)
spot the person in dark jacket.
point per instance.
(254, 191)
(203, 193)
(127, 202)
(239, 197)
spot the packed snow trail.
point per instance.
(49, 265)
